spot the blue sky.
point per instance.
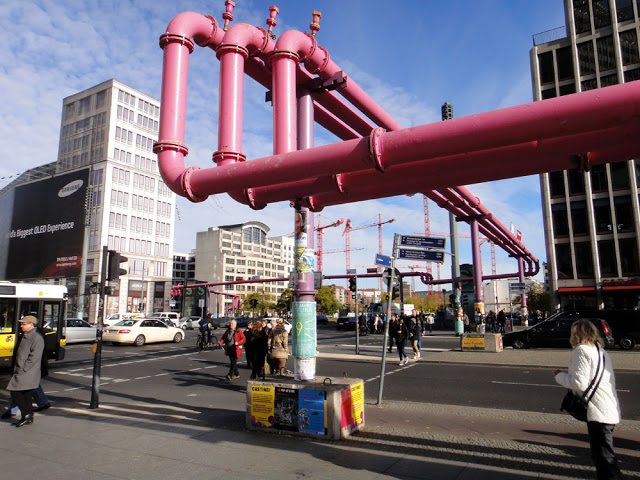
(410, 56)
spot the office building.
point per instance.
(591, 215)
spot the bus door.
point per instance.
(50, 320)
(8, 330)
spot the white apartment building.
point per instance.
(111, 128)
(243, 251)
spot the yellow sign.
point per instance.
(473, 343)
(262, 401)
(357, 403)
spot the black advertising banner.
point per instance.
(285, 409)
(47, 228)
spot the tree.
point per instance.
(283, 305)
(257, 302)
(538, 298)
(326, 301)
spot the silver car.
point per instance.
(79, 331)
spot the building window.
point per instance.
(582, 16)
(560, 222)
(584, 264)
(579, 217)
(632, 75)
(590, 84)
(547, 74)
(624, 10)
(629, 256)
(548, 93)
(608, 80)
(601, 13)
(624, 213)
(599, 180)
(586, 58)
(556, 184)
(576, 182)
(564, 62)
(629, 47)
(602, 212)
(567, 89)
(563, 261)
(619, 175)
(606, 54)
(607, 254)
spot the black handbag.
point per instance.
(575, 405)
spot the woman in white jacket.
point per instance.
(603, 411)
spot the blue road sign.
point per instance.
(383, 260)
(428, 255)
(422, 242)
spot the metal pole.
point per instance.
(385, 340)
(85, 250)
(357, 319)
(97, 357)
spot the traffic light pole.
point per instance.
(385, 340)
(355, 294)
(97, 346)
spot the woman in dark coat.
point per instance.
(402, 333)
(257, 349)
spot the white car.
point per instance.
(78, 331)
(139, 331)
(190, 323)
(167, 317)
(287, 323)
(116, 317)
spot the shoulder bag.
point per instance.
(575, 405)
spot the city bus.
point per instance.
(46, 302)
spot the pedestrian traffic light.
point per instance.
(353, 284)
(114, 270)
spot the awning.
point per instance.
(576, 289)
(622, 287)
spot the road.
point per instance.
(175, 374)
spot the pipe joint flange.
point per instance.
(375, 148)
(338, 179)
(324, 63)
(221, 158)
(265, 41)
(212, 34)
(162, 145)
(312, 47)
(249, 194)
(232, 48)
(168, 38)
(283, 53)
(186, 185)
(310, 203)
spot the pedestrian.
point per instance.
(256, 349)
(393, 331)
(26, 369)
(232, 342)
(415, 333)
(603, 411)
(430, 319)
(467, 323)
(248, 332)
(402, 333)
(502, 321)
(278, 348)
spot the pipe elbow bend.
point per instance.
(185, 184)
(247, 197)
(296, 43)
(190, 25)
(255, 40)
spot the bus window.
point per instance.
(29, 307)
(51, 316)
(7, 314)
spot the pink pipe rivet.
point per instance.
(315, 25)
(228, 15)
(271, 21)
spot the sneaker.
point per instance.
(401, 363)
(44, 407)
(415, 357)
(228, 377)
(419, 355)
(236, 376)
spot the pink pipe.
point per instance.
(285, 137)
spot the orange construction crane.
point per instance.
(320, 229)
(347, 234)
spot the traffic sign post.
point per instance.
(383, 260)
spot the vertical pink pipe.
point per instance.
(284, 102)
(231, 104)
(477, 262)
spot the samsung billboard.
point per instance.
(43, 236)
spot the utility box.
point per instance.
(330, 408)
(482, 342)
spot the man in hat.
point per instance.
(26, 370)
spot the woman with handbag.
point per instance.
(591, 376)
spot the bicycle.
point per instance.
(202, 344)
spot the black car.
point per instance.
(625, 324)
(554, 333)
(322, 319)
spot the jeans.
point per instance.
(38, 396)
(601, 440)
(401, 353)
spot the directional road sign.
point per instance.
(428, 255)
(383, 260)
(422, 242)
(517, 287)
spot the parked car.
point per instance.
(554, 333)
(625, 324)
(322, 319)
(116, 317)
(79, 331)
(173, 317)
(139, 331)
(191, 322)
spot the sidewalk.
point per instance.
(136, 439)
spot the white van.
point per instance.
(116, 317)
(173, 316)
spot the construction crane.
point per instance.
(320, 229)
(347, 234)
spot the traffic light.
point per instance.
(353, 284)
(395, 292)
(253, 302)
(113, 270)
(447, 111)
(452, 298)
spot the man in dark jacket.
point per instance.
(26, 370)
